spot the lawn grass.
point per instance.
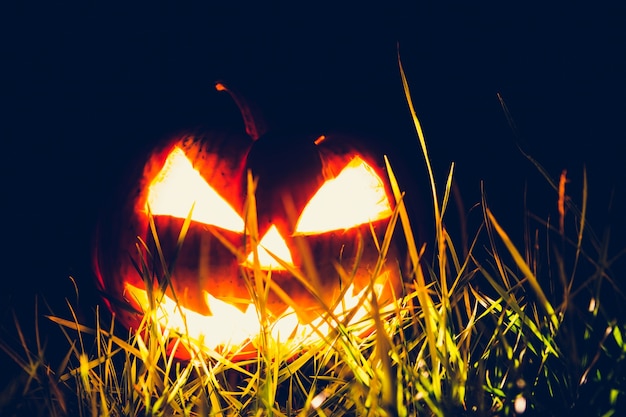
(493, 329)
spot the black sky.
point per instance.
(85, 86)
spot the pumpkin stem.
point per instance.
(255, 126)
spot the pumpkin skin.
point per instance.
(283, 165)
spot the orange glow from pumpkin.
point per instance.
(229, 328)
(178, 187)
(214, 330)
(356, 196)
(272, 242)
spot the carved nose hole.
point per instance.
(272, 242)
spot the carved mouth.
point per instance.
(229, 328)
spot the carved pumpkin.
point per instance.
(337, 196)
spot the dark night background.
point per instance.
(86, 86)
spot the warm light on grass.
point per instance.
(229, 327)
(496, 332)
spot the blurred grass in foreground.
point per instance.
(494, 330)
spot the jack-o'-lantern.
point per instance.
(322, 207)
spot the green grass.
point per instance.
(491, 330)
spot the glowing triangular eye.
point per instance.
(273, 242)
(178, 187)
(356, 196)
